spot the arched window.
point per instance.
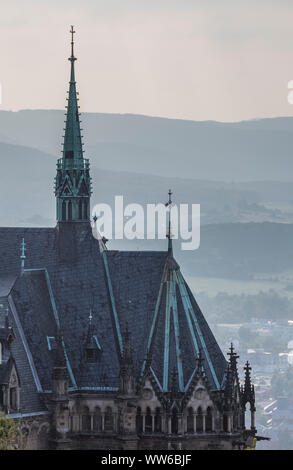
(86, 419)
(63, 210)
(148, 421)
(158, 420)
(225, 423)
(199, 420)
(235, 420)
(190, 420)
(247, 416)
(138, 420)
(80, 209)
(109, 419)
(174, 422)
(70, 210)
(85, 210)
(209, 420)
(97, 419)
(242, 419)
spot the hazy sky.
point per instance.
(193, 59)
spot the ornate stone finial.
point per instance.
(233, 357)
(148, 360)
(247, 385)
(169, 234)
(200, 361)
(228, 386)
(22, 257)
(72, 32)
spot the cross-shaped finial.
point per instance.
(247, 367)
(169, 235)
(233, 356)
(72, 43)
(231, 350)
(72, 32)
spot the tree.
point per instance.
(9, 436)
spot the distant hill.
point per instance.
(27, 176)
(245, 151)
(141, 158)
(231, 250)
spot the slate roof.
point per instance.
(65, 276)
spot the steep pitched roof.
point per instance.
(66, 275)
(165, 321)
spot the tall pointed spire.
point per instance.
(73, 182)
(72, 148)
(247, 383)
(233, 358)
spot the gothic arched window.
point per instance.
(158, 420)
(85, 210)
(63, 210)
(97, 419)
(138, 420)
(148, 421)
(190, 420)
(225, 423)
(174, 422)
(80, 209)
(209, 420)
(70, 210)
(199, 420)
(235, 420)
(109, 419)
(86, 419)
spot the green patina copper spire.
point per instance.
(72, 147)
(73, 182)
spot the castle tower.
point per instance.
(72, 182)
